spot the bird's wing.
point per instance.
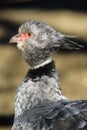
(70, 115)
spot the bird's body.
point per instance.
(39, 85)
(39, 103)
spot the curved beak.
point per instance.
(14, 39)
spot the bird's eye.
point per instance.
(29, 34)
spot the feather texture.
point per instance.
(39, 102)
(54, 116)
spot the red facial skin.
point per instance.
(20, 37)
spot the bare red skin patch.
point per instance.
(22, 37)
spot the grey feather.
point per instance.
(39, 102)
(40, 118)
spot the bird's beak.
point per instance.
(14, 39)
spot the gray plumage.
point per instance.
(39, 102)
(62, 115)
(43, 43)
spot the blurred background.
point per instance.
(68, 17)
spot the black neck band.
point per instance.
(47, 70)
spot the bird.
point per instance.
(39, 102)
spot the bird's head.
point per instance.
(35, 40)
(35, 34)
(38, 41)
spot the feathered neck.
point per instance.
(48, 70)
(39, 85)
